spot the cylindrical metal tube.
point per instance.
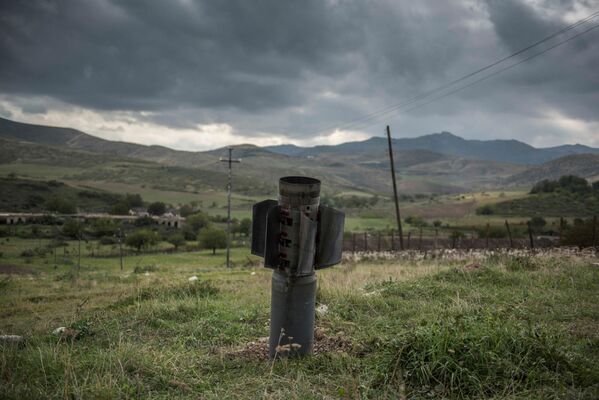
(294, 283)
(292, 312)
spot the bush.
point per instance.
(485, 210)
(107, 240)
(495, 232)
(143, 269)
(521, 263)
(60, 205)
(28, 253)
(72, 228)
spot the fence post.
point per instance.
(420, 240)
(409, 236)
(436, 236)
(378, 242)
(561, 229)
(353, 242)
(488, 228)
(365, 241)
(392, 241)
(594, 230)
(509, 233)
(532, 243)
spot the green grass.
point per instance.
(515, 328)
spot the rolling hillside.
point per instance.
(438, 163)
(583, 165)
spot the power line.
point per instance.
(496, 72)
(426, 94)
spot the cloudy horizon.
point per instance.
(198, 75)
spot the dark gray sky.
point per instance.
(201, 74)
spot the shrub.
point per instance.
(521, 263)
(485, 210)
(28, 253)
(107, 240)
(143, 269)
(60, 205)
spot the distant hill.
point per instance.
(437, 163)
(26, 195)
(583, 165)
(508, 151)
(74, 139)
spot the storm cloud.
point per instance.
(208, 73)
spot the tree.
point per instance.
(197, 221)
(73, 229)
(103, 227)
(212, 238)
(245, 226)
(126, 203)
(574, 184)
(176, 239)
(133, 200)
(186, 210)
(537, 223)
(142, 239)
(157, 208)
(60, 205)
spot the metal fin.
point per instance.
(272, 236)
(330, 237)
(307, 237)
(259, 213)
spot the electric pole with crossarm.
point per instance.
(229, 160)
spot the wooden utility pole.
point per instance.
(229, 160)
(397, 214)
(509, 233)
(121, 247)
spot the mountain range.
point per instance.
(508, 151)
(436, 163)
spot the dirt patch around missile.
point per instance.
(323, 343)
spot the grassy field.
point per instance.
(510, 327)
